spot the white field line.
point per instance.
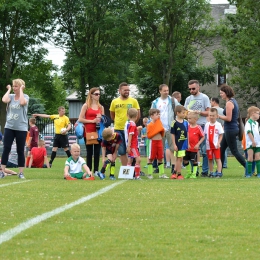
(11, 183)
(9, 234)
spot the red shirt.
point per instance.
(34, 133)
(91, 114)
(194, 135)
(38, 154)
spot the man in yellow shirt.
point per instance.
(118, 113)
(61, 138)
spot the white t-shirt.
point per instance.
(162, 105)
(252, 126)
(212, 132)
(75, 166)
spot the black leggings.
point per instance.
(9, 136)
(90, 148)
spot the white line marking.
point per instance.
(11, 183)
(9, 234)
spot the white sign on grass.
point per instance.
(126, 172)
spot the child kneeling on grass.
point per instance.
(155, 132)
(74, 165)
(252, 140)
(110, 145)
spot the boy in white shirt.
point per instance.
(252, 140)
(214, 132)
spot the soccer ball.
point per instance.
(63, 130)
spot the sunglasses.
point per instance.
(96, 94)
(191, 89)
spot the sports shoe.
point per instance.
(2, 175)
(91, 178)
(180, 177)
(101, 176)
(212, 175)
(156, 170)
(204, 174)
(248, 176)
(174, 176)
(219, 174)
(258, 175)
(96, 173)
(146, 166)
(21, 176)
(137, 178)
(112, 178)
(188, 175)
(69, 178)
(164, 176)
(150, 176)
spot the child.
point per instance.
(39, 156)
(155, 132)
(33, 138)
(252, 140)
(214, 133)
(195, 138)
(145, 139)
(131, 139)
(110, 144)
(74, 165)
(7, 171)
(179, 131)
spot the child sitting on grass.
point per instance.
(214, 133)
(179, 131)
(155, 132)
(74, 165)
(39, 156)
(110, 145)
(195, 138)
(252, 140)
(131, 138)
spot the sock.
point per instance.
(195, 168)
(105, 165)
(249, 168)
(188, 168)
(150, 168)
(112, 168)
(68, 153)
(53, 155)
(137, 170)
(168, 164)
(27, 161)
(257, 166)
(173, 166)
(161, 169)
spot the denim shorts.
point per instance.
(122, 146)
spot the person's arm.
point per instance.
(6, 99)
(219, 140)
(23, 101)
(87, 170)
(68, 127)
(251, 137)
(114, 155)
(129, 143)
(41, 115)
(66, 171)
(31, 161)
(46, 161)
(103, 154)
(229, 109)
(138, 116)
(174, 143)
(82, 113)
(204, 113)
(29, 141)
(197, 146)
(112, 115)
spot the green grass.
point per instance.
(150, 219)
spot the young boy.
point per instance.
(110, 145)
(39, 156)
(214, 132)
(145, 139)
(195, 138)
(74, 165)
(179, 131)
(252, 140)
(155, 132)
(131, 139)
(33, 138)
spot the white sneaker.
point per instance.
(150, 176)
(164, 176)
(96, 174)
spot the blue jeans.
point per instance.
(205, 164)
(122, 146)
(230, 140)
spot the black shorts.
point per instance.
(190, 156)
(61, 141)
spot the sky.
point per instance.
(57, 55)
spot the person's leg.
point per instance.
(250, 158)
(96, 156)
(168, 136)
(89, 149)
(205, 166)
(223, 148)
(225, 161)
(122, 148)
(20, 144)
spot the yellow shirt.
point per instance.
(120, 108)
(59, 122)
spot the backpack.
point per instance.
(79, 129)
(106, 120)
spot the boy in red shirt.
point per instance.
(195, 138)
(39, 156)
(155, 132)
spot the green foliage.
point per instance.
(35, 107)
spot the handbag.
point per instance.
(92, 138)
(241, 127)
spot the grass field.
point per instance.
(46, 217)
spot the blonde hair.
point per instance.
(89, 99)
(107, 133)
(132, 113)
(252, 110)
(32, 120)
(18, 82)
(193, 114)
(41, 143)
(75, 145)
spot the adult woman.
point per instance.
(231, 112)
(90, 115)
(16, 125)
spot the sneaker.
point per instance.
(50, 164)
(111, 177)
(150, 176)
(174, 176)
(248, 176)
(180, 177)
(164, 176)
(101, 176)
(156, 170)
(219, 174)
(2, 175)
(204, 174)
(146, 166)
(212, 175)
(258, 175)
(69, 178)
(142, 173)
(96, 173)
(137, 178)
(91, 178)
(21, 176)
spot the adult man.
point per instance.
(118, 113)
(215, 103)
(199, 103)
(177, 95)
(164, 104)
(60, 138)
